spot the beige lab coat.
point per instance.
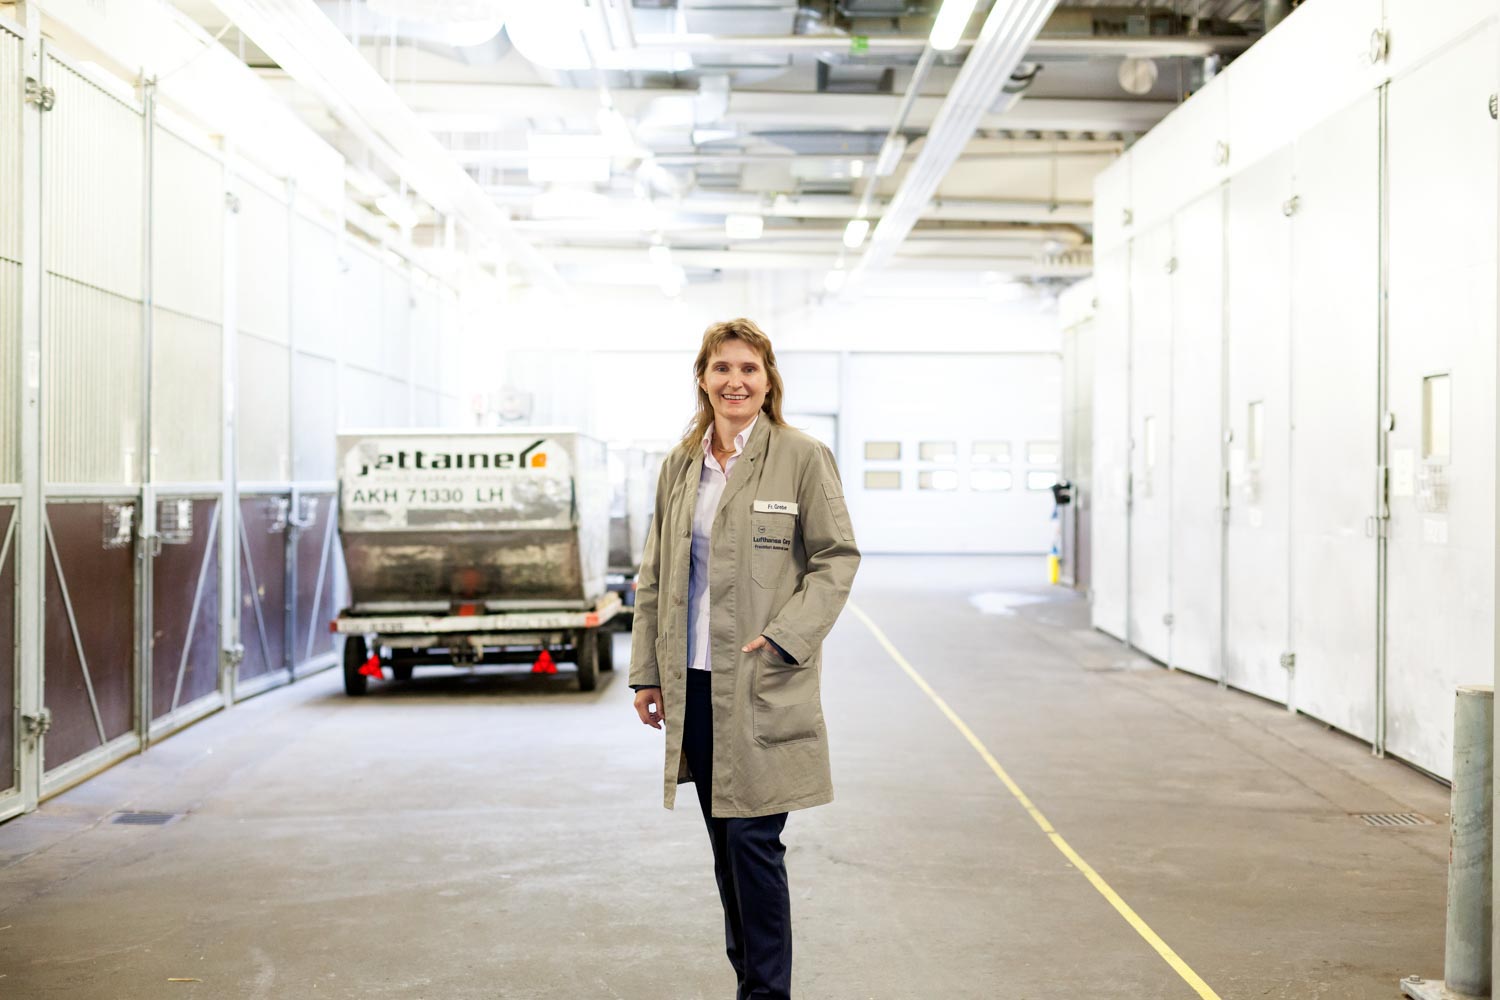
(771, 572)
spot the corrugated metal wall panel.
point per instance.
(10, 147)
(362, 399)
(426, 332)
(261, 256)
(316, 405)
(264, 452)
(429, 409)
(187, 236)
(92, 346)
(10, 371)
(396, 395)
(395, 341)
(186, 399)
(316, 312)
(92, 149)
(361, 309)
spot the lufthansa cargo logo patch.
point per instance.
(775, 507)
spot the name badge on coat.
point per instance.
(775, 507)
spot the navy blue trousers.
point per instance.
(749, 865)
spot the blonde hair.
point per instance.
(714, 338)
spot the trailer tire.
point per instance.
(587, 656)
(606, 649)
(355, 654)
(403, 672)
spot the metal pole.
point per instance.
(1466, 960)
(1466, 964)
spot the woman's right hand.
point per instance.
(648, 706)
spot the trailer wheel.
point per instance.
(355, 654)
(586, 653)
(403, 672)
(606, 649)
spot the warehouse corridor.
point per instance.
(501, 837)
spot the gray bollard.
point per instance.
(1466, 964)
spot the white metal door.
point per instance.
(1151, 470)
(1198, 435)
(1258, 241)
(953, 452)
(1110, 524)
(1335, 402)
(1441, 386)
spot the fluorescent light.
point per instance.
(950, 24)
(891, 152)
(397, 210)
(660, 254)
(856, 168)
(855, 233)
(744, 227)
(833, 281)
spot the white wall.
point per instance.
(1336, 251)
(884, 365)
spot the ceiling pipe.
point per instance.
(1040, 49)
(1276, 12)
(312, 51)
(1008, 30)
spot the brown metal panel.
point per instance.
(7, 649)
(98, 584)
(315, 576)
(185, 608)
(262, 584)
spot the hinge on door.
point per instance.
(1289, 662)
(232, 202)
(45, 98)
(1380, 46)
(232, 656)
(1495, 106)
(1290, 206)
(34, 727)
(1168, 619)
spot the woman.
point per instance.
(747, 565)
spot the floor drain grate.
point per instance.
(145, 818)
(1394, 819)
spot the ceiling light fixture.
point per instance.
(855, 232)
(833, 281)
(660, 254)
(744, 227)
(950, 23)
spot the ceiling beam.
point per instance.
(483, 107)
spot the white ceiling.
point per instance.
(751, 107)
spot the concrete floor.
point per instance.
(502, 837)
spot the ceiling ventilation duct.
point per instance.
(311, 50)
(1008, 30)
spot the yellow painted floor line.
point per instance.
(1131, 917)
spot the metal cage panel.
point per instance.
(361, 309)
(93, 343)
(261, 264)
(186, 399)
(185, 648)
(362, 398)
(395, 322)
(11, 75)
(263, 418)
(10, 368)
(93, 147)
(316, 312)
(187, 228)
(314, 382)
(426, 337)
(429, 411)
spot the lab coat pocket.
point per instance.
(786, 700)
(771, 547)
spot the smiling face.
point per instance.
(736, 382)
